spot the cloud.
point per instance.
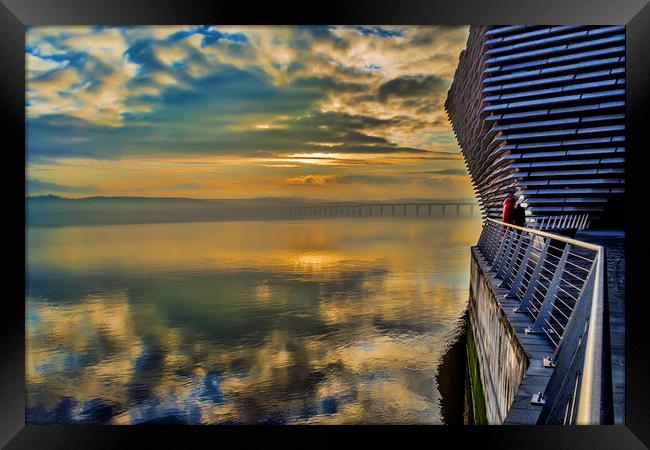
(380, 32)
(371, 179)
(35, 187)
(311, 180)
(411, 86)
(252, 96)
(448, 172)
(37, 65)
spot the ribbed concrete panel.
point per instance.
(539, 111)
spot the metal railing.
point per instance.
(559, 282)
(565, 222)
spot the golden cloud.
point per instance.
(312, 180)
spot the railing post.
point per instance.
(501, 255)
(523, 266)
(501, 243)
(511, 234)
(525, 302)
(580, 310)
(549, 299)
(483, 237)
(493, 239)
(507, 273)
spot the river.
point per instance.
(303, 321)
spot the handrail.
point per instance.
(556, 237)
(560, 282)
(589, 408)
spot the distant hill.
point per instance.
(51, 210)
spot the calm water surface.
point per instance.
(329, 321)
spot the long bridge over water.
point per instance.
(402, 209)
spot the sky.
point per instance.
(335, 113)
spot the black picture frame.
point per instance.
(15, 15)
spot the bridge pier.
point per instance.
(348, 210)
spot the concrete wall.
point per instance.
(502, 361)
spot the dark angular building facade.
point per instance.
(539, 111)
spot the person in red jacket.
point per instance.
(509, 209)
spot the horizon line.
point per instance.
(301, 199)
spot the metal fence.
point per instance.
(560, 283)
(565, 222)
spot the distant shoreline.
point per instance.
(50, 211)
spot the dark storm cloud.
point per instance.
(411, 86)
(58, 136)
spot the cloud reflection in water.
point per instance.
(337, 321)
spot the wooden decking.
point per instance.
(614, 243)
(535, 346)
